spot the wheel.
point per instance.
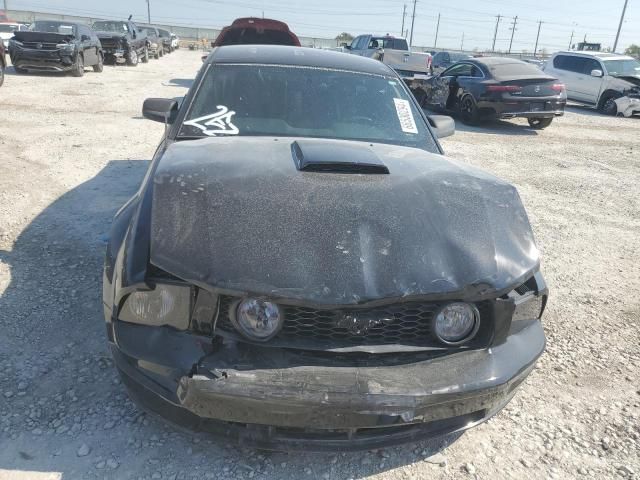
(145, 56)
(161, 52)
(132, 58)
(1, 75)
(78, 67)
(156, 55)
(98, 67)
(468, 110)
(609, 106)
(540, 123)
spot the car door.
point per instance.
(86, 46)
(591, 85)
(580, 81)
(443, 88)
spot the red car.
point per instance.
(254, 31)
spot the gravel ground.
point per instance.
(72, 151)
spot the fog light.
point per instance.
(257, 320)
(456, 323)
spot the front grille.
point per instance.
(40, 46)
(109, 43)
(396, 324)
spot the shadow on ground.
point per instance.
(60, 389)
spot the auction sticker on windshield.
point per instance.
(407, 122)
(218, 123)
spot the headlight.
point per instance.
(528, 307)
(456, 323)
(67, 47)
(257, 320)
(165, 305)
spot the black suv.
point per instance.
(56, 46)
(122, 41)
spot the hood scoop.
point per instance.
(336, 157)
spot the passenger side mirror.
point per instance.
(597, 73)
(442, 125)
(160, 109)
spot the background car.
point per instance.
(495, 87)
(7, 30)
(595, 78)
(154, 42)
(165, 37)
(56, 46)
(256, 31)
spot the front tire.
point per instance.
(539, 123)
(132, 58)
(609, 106)
(78, 67)
(1, 75)
(145, 56)
(468, 110)
(161, 52)
(99, 67)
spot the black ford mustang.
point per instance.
(495, 87)
(302, 268)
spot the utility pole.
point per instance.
(413, 19)
(615, 44)
(5, 6)
(404, 14)
(462, 42)
(513, 31)
(495, 34)
(571, 39)
(435, 42)
(148, 10)
(535, 49)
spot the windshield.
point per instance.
(149, 31)
(622, 67)
(52, 27)
(119, 27)
(293, 101)
(8, 28)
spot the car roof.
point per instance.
(492, 61)
(298, 56)
(586, 53)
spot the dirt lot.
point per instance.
(71, 152)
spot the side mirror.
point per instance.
(160, 109)
(442, 125)
(348, 47)
(597, 73)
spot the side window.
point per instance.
(354, 43)
(362, 43)
(591, 64)
(577, 64)
(560, 62)
(459, 70)
(375, 43)
(476, 72)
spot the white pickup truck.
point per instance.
(395, 53)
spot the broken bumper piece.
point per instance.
(281, 399)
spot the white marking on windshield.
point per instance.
(407, 122)
(220, 121)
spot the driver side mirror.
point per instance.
(597, 73)
(160, 109)
(442, 125)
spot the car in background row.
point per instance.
(598, 79)
(122, 41)
(3, 62)
(394, 52)
(256, 31)
(154, 42)
(7, 30)
(56, 46)
(175, 41)
(165, 37)
(486, 88)
(443, 60)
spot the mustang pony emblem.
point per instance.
(220, 121)
(360, 325)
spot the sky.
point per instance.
(466, 24)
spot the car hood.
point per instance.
(632, 79)
(47, 37)
(113, 35)
(236, 215)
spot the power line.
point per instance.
(149, 11)
(495, 34)
(535, 49)
(413, 19)
(404, 14)
(435, 42)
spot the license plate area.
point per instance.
(536, 107)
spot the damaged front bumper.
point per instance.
(284, 399)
